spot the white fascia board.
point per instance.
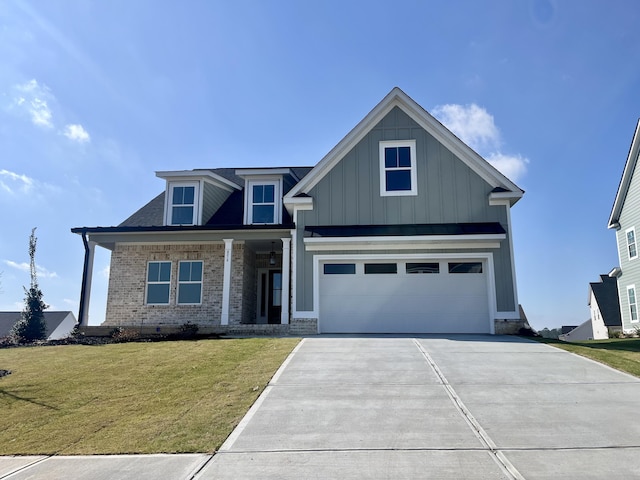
(297, 203)
(397, 98)
(403, 242)
(198, 175)
(249, 172)
(625, 181)
(504, 198)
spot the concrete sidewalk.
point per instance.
(480, 407)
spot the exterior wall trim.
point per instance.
(403, 242)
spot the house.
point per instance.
(400, 228)
(605, 313)
(59, 324)
(624, 218)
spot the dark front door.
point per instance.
(275, 296)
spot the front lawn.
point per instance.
(620, 353)
(182, 396)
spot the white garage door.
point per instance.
(386, 296)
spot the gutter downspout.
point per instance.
(85, 268)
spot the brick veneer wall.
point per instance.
(127, 283)
(250, 287)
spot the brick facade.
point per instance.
(127, 284)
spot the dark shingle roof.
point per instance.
(230, 213)
(606, 293)
(404, 229)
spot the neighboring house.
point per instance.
(625, 219)
(59, 324)
(605, 313)
(400, 228)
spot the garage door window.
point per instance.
(339, 268)
(465, 267)
(376, 268)
(423, 268)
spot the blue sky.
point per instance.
(96, 96)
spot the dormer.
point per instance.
(263, 192)
(193, 196)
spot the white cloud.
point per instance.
(34, 99)
(471, 123)
(25, 267)
(104, 273)
(512, 166)
(10, 179)
(476, 127)
(76, 132)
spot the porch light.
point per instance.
(272, 256)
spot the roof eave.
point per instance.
(625, 180)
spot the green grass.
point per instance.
(183, 396)
(619, 353)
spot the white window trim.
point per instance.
(190, 282)
(626, 239)
(248, 199)
(147, 283)
(383, 178)
(629, 288)
(197, 202)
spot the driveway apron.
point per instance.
(481, 407)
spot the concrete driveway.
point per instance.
(459, 407)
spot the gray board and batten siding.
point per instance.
(629, 217)
(448, 191)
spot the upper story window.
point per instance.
(264, 203)
(182, 207)
(631, 243)
(398, 168)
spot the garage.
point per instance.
(404, 296)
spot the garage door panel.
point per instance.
(404, 303)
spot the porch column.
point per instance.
(286, 268)
(226, 281)
(87, 279)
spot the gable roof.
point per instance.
(397, 98)
(606, 293)
(625, 181)
(52, 319)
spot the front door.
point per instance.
(275, 296)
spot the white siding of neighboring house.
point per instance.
(592, 329)
(64, 329)
(579, 334)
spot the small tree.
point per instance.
(31, 325)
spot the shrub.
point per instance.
(123, 335)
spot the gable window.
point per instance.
(264, 203)
(182, 204)
(633, 307)
(398, 168)
(158, 282)
(631, 244)
(190, 283)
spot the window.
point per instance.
(263, 204)
(631, 243)
(375, 268)
(398, 168)
(465, 267)
(339, 268)
(423, 268)
(190, 283)
(158, 282)
(182, 204)
(633, 307)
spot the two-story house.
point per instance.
(400, 228)
(624, 219)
